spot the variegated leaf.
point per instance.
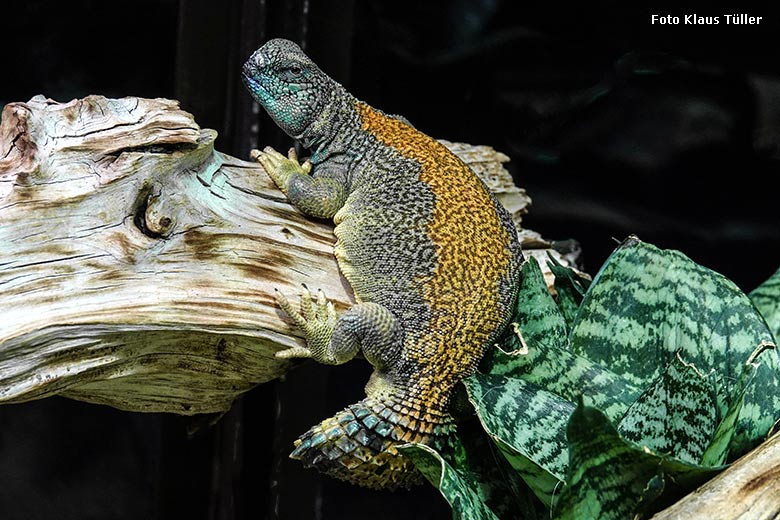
(570, 288)
(481, 465)
(528, 425)
(609, 478)
(535, 350)
(766, 297)
(537, 318)
(466, 502)
(676, 415)
(718, 450)
(474, 478)
(567, 375)
(646, 304)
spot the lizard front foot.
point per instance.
(279, 167)
(316, 318)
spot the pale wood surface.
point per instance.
(137, 264)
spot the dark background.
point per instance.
(615, 126)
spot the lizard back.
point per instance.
(455, 283)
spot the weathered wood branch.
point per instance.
(748, 490)
(138, 264)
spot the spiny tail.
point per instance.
(359, 443)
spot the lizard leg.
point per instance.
(375, 330)
(320, 195)
(334, 340)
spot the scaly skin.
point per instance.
(432, 257)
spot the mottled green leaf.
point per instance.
(766, 297)
(567, 375)
(474, 478)
(534, 349)
(480, 464)
(609, 478)
(528, 425)
(660, 344)
(570, 288)
(676, 415)
(541, 482)
(537, 318)
(718, 450)
(646, 304)
(466, 502)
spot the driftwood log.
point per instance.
(137, 267)
(138, 264)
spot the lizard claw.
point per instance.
(316, 319)
(287, 307)
(294, 352)
(306, 167)
(292, 155)
(279, 167)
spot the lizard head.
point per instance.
(291, 88)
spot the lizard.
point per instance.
(430, 254)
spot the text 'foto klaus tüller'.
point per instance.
(695, 19)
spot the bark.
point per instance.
(138, 264)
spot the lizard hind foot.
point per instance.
(316, 318)
(358, 444)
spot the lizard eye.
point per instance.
(291, 72)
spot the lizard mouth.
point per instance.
(249, 81)
(254, 85)
(248, 71)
